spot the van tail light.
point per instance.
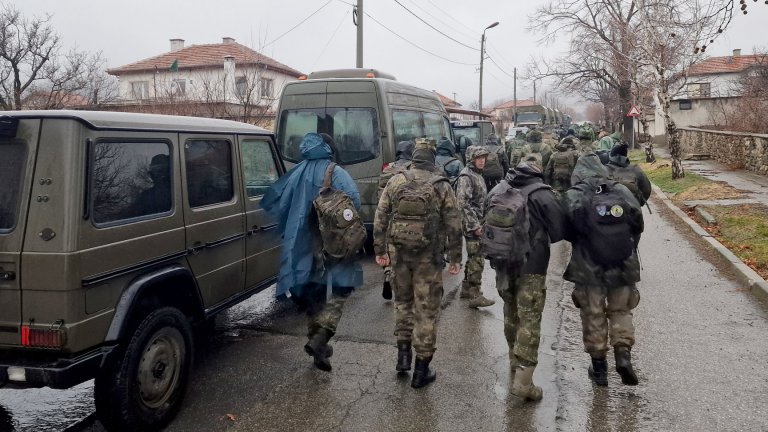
(54, 336)
(384, 166)
(302, 78)
(370, 75)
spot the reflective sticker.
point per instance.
(348, 215)
(601, 210)
(617, 211)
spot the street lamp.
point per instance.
(482, 57)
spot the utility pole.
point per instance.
(534, 92)
(359, 23)
(514, 96)
(482, 57)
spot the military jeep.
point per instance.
(118, 233)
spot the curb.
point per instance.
(757, 285)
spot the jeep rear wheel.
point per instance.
(143, 389)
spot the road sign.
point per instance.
(633, 112)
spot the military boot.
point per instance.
(422, 374)
(523, 387)
(404, 356)
(318, 348)
(598, 371)
(624, 365)
(478, 300)
(466, 291)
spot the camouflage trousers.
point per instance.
(524, 297)
(418, 292)
(473, 268)
(327, 315)
(388, 269)
(606, 311)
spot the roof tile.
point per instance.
(726, 64)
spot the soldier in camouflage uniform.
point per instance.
(418, 272)
(470, 196)
(557, 172)
(403, 154)
(523, 289)
(604, 295)
(536, 148)
(585, 144)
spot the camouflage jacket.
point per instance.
(470, 197)
(395, 167)
(541, 148)
(450, 218)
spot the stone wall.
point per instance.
(735, 149)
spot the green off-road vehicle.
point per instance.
(119, 232)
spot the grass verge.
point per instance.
(743, 229)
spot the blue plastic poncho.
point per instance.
(289, 201)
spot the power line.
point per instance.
(497, 54)
(440, 8)
(300, 23)
(435, 28)
(500, 68)
(343, 18)
(411, 43)
(463, 33)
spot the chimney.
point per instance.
(737, 52)
(227, 40)
(177, 44)
(229, 76)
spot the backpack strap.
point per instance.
(328, 175)
(531, 188)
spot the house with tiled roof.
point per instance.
(223, 80)
(711, 88)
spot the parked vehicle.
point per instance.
(118, 233)
(477, 130)
(513, 130)
(367, 112)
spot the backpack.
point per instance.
(390, 171)
(341, 229)
(442, 163)
(506, 228)
(563, 163)
(493, 170)
(607, 222)
(414, 223)
(627, 177)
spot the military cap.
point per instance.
(425, 144)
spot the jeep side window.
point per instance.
(209, 171)
(259, 167)
(130, 180)
(13, 159)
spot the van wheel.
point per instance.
(144, 388)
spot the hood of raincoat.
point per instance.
(474, 152)
(523, 174)
(588, 165)
(404, 150)
(289, 202)
(446, 148)
(616, 136)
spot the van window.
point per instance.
(415, 124)
(355, 131)
(259, 167)
(209, 171)
(13, 159)
(130, 180)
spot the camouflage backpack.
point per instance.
(341, 229)
(607, 223)
(506, 229)
(415, 220)
(493, 170)
(563, 163)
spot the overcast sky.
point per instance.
(129, 31)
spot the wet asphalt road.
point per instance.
(701, 356)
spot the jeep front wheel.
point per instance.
(143, 389)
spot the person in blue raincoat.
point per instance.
(302, 271)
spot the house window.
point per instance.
(698, 90)
(140, 90)
(241, 87)
(267, 88)
(685, 104)
(179, 87)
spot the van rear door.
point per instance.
(18, 145)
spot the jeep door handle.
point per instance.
(7, 275)
(254, 229)
(197, 247)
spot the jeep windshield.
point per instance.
(13, 158)
(355, 131)
(469, 132)
(528, 117)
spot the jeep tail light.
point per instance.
(37, 337)
(384, 166)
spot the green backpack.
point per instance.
(563, 163)
(341, 229)
(415, 221)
